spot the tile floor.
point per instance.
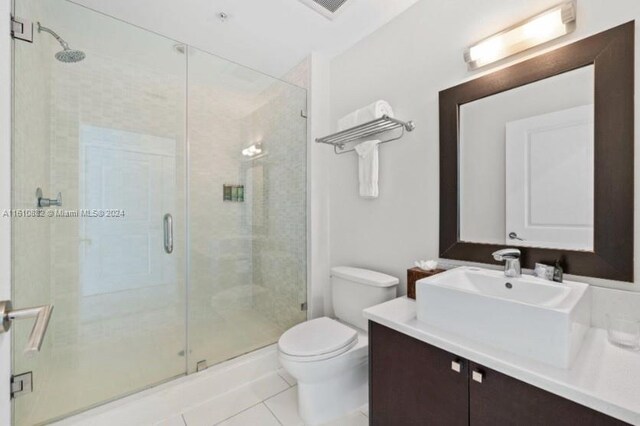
(240, 408)
(248, 391)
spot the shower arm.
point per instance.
(63, 43)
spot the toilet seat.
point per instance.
(318, 339)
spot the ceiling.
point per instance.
(271, 36)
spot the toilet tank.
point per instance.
(355, 289)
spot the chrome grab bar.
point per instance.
(42, 314)
(168, 233)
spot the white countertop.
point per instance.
(603, 377)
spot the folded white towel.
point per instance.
(369, 113)
(368, 168)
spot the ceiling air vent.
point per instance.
(327, 8)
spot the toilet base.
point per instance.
(338, 396)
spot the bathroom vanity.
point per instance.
(535, 180)
(420, 374)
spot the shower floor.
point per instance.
(251, 390)
(108, 363)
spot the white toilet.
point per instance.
(329, 357)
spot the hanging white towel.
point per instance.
(368, 168)
(363, 115)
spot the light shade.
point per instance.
(546, 26)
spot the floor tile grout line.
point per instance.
(276, 394)
(261, 402)
(272, 413)
(365, 413)
(234, 389)
(239, 412)
(273, 396)
(286, 381)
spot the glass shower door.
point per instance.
(108, 133)
(247, 208)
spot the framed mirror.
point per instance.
(539, 156)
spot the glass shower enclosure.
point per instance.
(180, 241)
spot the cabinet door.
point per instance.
(496, 399)
(412, 383)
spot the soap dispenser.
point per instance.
(558, 272)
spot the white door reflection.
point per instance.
(550, 180)
(134, 173)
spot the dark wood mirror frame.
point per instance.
(612, 55)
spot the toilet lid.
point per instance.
(318, 339)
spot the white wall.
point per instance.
(318, 187)
(5, 203)
(408, 62)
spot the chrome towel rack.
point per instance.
(383, 124)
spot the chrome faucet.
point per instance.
(511, 258)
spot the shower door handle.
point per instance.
(168, 233)
(42, 314)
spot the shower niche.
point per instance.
(233, 193)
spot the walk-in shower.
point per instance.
(135, 132)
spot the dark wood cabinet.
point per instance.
(414, 383)
(502, 400)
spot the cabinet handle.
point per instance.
(477, 376)
(456, 366)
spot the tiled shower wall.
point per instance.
(279, 244)
(248, 259)
(220, 239)
(227, 239)
(107, 93)
(91, 336)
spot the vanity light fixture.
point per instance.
(546, 26)
(253, 150)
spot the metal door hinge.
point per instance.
(21, 384)
(303, 306)
(21, 29)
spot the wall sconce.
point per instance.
(548, 25)
(252, 151)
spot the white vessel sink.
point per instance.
(528, 316)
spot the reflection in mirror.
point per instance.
(526, 165)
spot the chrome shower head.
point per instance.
(70, 56)
(67, 55)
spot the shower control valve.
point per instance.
(48, 202)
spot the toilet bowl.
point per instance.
(329, 357)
